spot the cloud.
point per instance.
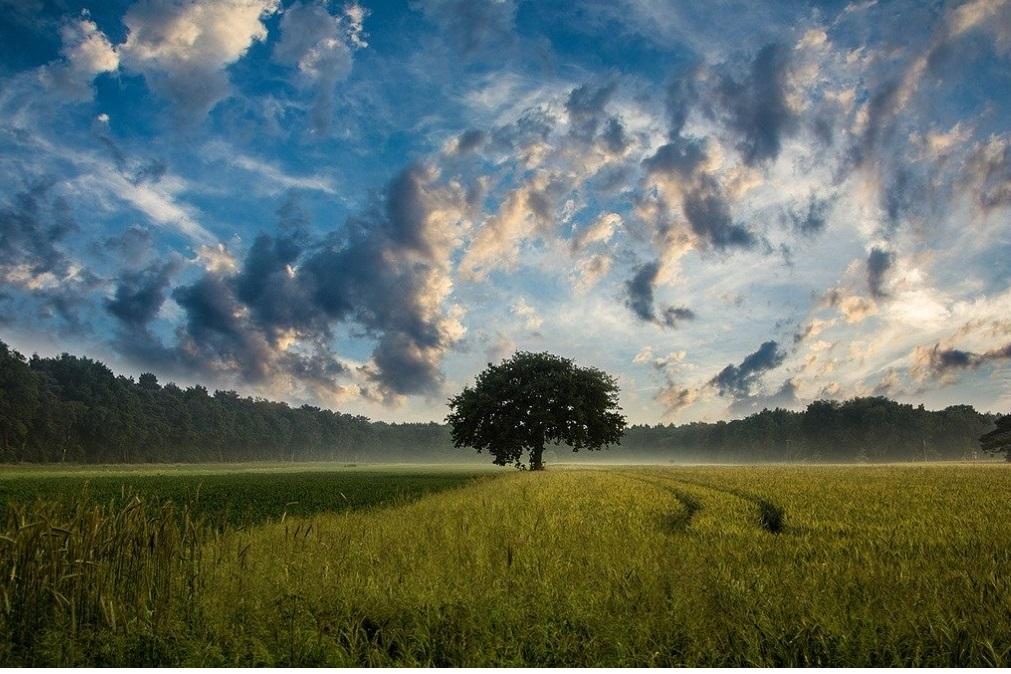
(987, 175)
(524, 212)
(681, 171)
(275, 178)
(599, 231)
(183, 48)
(784, 397)
(879, 262)
(133, 245)
(386, 274)
(85, 54)
(943, 363)
(140, 294)
(469, 141)
(526, 313)
(639, 291)
(852, 307)
(755, 108)
(811, 220)
(471, 26)
(739, 381)
(586, 109)
(588, 271)
(319, 45)
(674, 398)
(32, 227)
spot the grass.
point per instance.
(235, 495)
(771, 565)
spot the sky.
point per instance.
(726, 205)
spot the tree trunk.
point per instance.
(536, 462)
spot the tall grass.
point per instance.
(868, 566)
(126, 568)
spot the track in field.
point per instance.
(771, 515)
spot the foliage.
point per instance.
(998, 441)
(73, 409)
(871, 566)
(533, 399)
(873, 429)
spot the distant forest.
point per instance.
(75, 409)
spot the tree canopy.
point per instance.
(535, 399)
(998, 441)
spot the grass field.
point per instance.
(771, 565)
(237, 494)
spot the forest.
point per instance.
(75, 409)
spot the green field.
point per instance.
(774, 565)
(240, 494)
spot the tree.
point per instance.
(533, 399)
(999, 439)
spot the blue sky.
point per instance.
(728, 205)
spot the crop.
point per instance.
(772, 565)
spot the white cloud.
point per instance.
(526, 313)
(319, 45)
(86, 53)
(183, 48)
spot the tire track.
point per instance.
(771, 515)
(679, 520)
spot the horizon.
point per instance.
(359, 205)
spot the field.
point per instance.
(773, 565)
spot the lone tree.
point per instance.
(999, 439)
(533, 399)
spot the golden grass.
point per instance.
(614, 566)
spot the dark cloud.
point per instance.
(879, 261)
(377, 274)
(881, 110)
(681, 157)
(32, 225)
(133, 246)
(672, 316)
(784, 397)
(937, 361)
(987, 176)
(755, 108)
(614, 138)
(811, 219)
(150, 171)
(703, 202)
(140, 294)
(708, 212)
(681, 95)
(639, 291)
(267, 285)
(534, 125)
(739, 380)
(470, 140)
(585, 106)
(215, 335)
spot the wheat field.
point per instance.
(771, 565)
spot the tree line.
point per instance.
(873, 429)
(75, 409)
